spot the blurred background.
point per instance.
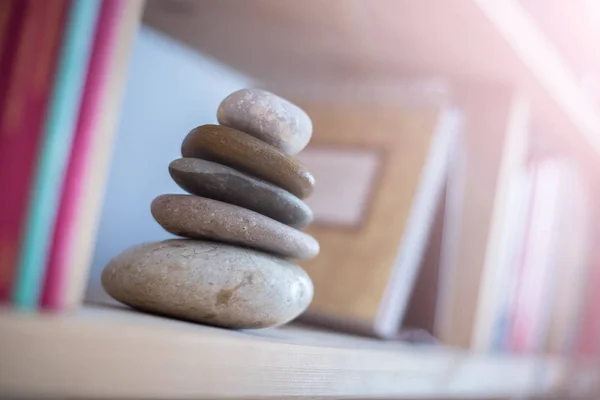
(456, 149)
(485, 113)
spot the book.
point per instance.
(21, 122)
(518, 214)
(13, 51)
(12, 18)
(497, 268)
(537, 278)
(586, 342)
(6, 15)
(55, 146)
(94, 171)
(575, 263)
(89, 113)
(421, 310)
(374, 203)
(583, 337)
(474, 194)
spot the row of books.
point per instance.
(518, 267)
(62, 70)
(545, 283)
(459, 223)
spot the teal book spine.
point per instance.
(54, 152)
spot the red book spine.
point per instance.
(21, 122)
(588, 340)
(71, 200)
(12, 18)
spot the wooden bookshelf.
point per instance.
(107, 352)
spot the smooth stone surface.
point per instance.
(200, 218)
(211, 283)
(267, 117)
(246, 153)
(218, 182)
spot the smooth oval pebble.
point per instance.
(267, 117)
(218, 182)
(210, 283)
(246, 153)
(201, 218)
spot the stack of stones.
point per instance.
(241, 219)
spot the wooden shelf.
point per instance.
(112, 352)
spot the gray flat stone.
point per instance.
(267, 117)
(243, 152)
(210, 283)
(201, 218)
(218, 182)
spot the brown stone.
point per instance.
(218, 182)
(246, 153)
(267, 117)
(207, 282)
(200, 218)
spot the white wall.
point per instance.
(170, 90)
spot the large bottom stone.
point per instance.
(207, 282)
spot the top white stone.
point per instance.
(267, 117)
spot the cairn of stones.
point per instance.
(240, 223)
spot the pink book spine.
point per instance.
(89, 113)
(13, 21)
(588, 342)
(21, 123)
